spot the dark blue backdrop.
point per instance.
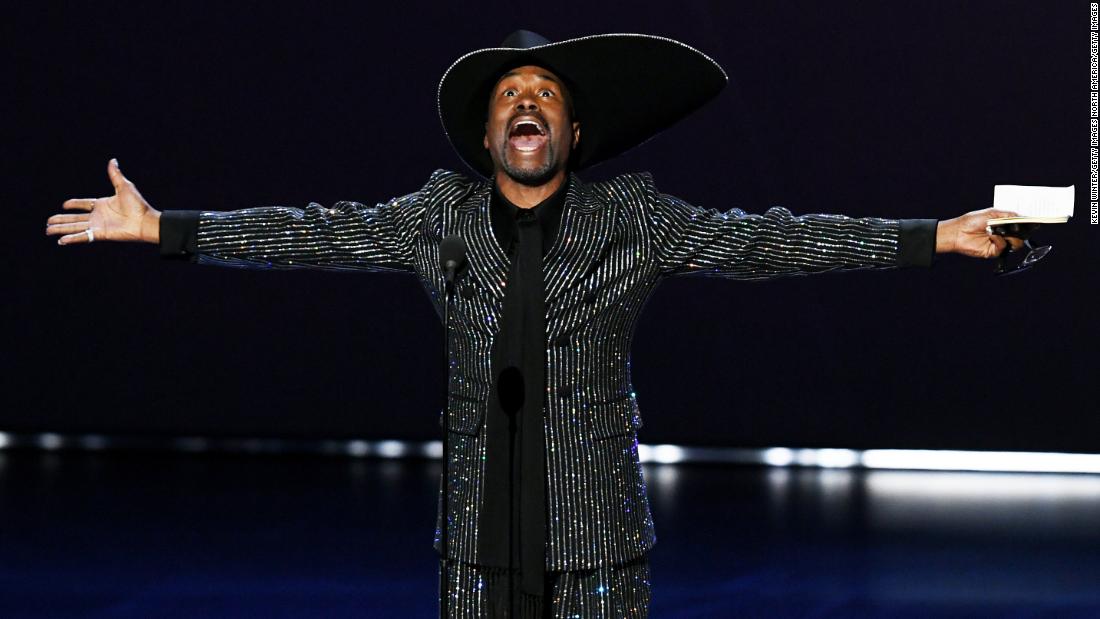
(893, 109)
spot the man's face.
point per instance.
(530, 131)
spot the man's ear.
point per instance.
(576, 134)
(485, 138)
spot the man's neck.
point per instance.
(528, 196)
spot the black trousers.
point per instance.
(611, 592)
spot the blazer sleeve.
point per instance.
(690, 240)
(349, 236)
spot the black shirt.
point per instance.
(549, 211)
(519, 504)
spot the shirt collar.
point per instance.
(548, 212)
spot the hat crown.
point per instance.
(524, 39)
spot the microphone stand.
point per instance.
(512, 430)
(444, 597)
(453, 258)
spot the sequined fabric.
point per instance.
(618, 239)
(610, 592)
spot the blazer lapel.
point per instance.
(488, 263)
(583, 236)
(584, 233)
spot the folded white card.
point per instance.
(1034, 201)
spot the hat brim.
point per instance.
(626, 88)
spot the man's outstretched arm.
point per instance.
(693, 240)
(347, 236)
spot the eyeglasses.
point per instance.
(1034, 254)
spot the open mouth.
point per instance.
(527, 135)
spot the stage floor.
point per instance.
(97, 535)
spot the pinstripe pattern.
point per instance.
(617, 239)
(609, 592)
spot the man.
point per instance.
(546, 504)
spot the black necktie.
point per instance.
(519, 367)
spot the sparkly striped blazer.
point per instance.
(618, 238)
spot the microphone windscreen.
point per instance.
(452, 250)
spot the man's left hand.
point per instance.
(968, 235)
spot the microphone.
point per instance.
(452, 256)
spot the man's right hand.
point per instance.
(125, 216)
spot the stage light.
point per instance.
(1003, 461)
(390, 449)
(667, 454)
(357, 448)
(778, 456)
(432, 449)
(49, 441)
(963, 487)
(837, 458)
(899, 459)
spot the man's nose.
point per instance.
(527, 104)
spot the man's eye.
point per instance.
(545, 93)
(509, 92)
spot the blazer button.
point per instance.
(562, 341)
(565, 392)
(467, 292)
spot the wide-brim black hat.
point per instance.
(626, 88)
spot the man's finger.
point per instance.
(67, 219)
(996, 214)
(115, 174)
(66, 228)
(69, 239)
(79, 204)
